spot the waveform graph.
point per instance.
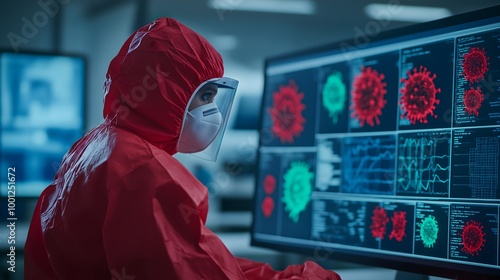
(368, 165)
(474, 233)
(390, 225)
(423, 164)
(329, 165)
(475, 165)
(341, 221)
(431, 229)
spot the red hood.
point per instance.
(151, 79)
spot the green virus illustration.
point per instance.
(429, 231)
(297, 189)
(334, 95)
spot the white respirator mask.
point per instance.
(203, 127)
(200, 128)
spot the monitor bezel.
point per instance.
(391, 261)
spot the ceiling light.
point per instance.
(305, 7)
(395, 12)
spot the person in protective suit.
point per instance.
(120, 206)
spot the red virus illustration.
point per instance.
(379, 222)
(418, 97)
(269, 184)
(398, 225)
(475, 64)
(473, 237)
(473, 98)
(368, 96)
(267, 206)
(286, 112)
(268, 203)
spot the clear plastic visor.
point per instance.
(225, 89)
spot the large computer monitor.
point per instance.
(384, 149)
(41, 116)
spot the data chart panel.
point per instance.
(424, 100)
(390, 224)
(475, 166)
(374, 93)
(474, 233)
(431, 229)
(290, 113)
(334, 88)
(477, 94)
(423, 164)
(341, 221)
(368, 164)
(329, 165)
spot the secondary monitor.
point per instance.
(41, 115)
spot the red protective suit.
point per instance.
(121, 207)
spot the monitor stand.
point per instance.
(403, 275)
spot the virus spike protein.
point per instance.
(286, 113)
(473, 98)
(368, 96)
(428, 231)
(334, 95)
(269, 184)
(475, 64)
(267, 206)
(418, 98)
(379, 222)
(398, 225)
(473, 237)
(297, 189)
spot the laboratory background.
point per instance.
(88, 33)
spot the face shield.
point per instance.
(206, 117)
